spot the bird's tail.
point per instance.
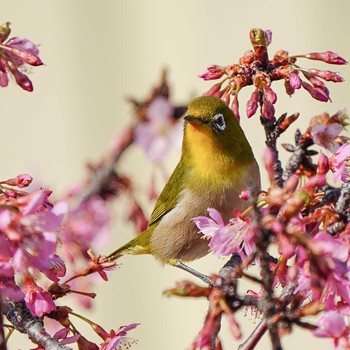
(138, 245)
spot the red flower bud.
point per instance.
(295, 80)
(323, 164)
(213, 72)
(327, 75)
(22, 180)
(252, 104)
(315, 92)
(268, 111)
(270, 94)
(235, 107)
(328, 57)
(213, 90)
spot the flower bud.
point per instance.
(235, 107)
(327, 75)
(315, 92)
(213, 90)
(328, 57)
(323, 164)
(268, 111)
(22, 180)
(252, 104)
(213, 72)
(295, 80)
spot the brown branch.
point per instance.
(24, 322)
(342, 209)
(268, 300)
(255, 336)
(2, 332)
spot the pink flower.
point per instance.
(117, 339)
(325, 135)
(209, 226)
(159, 132)
(332, 325)
(338, 163)
(235, 237)
(38, 301)
(326, 276)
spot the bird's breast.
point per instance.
(177, 237)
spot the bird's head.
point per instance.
(210, 122)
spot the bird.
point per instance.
(216, 164)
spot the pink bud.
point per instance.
(323, 164)
(21, 79)
(22, 180)
(252, 104)
(235, 107)
(269, 36)
(267, 110)
(226, 96)
(269, 161)
(292, 183)
(295, 80)
(315, 182)
(328, 57)
(316, 92)
(270, 94)
(327, 75)
(27, 57)
(219, 93)
(213, 72)
(213, 90)
(289, 89)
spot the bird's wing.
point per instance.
(169, 197)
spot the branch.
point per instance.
(342, 209)
(105, 171)
(273, 130)
(21, 318)
(268, 300)
(2, 333)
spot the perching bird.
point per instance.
(216, 164)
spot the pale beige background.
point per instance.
(97, 53)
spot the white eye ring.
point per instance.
(219, 121)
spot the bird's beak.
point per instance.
(195, 120)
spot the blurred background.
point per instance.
(97, 54)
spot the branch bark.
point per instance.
(21, 318)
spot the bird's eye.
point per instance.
(219, 121)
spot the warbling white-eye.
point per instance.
(216, 164)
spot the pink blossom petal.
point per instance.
(331, 324)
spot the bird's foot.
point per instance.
(177, 263)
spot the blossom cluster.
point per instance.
(307, 221)
(255, 68)
(15, 54)
(33, 232)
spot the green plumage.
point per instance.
(216, 164)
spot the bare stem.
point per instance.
(255, 336)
